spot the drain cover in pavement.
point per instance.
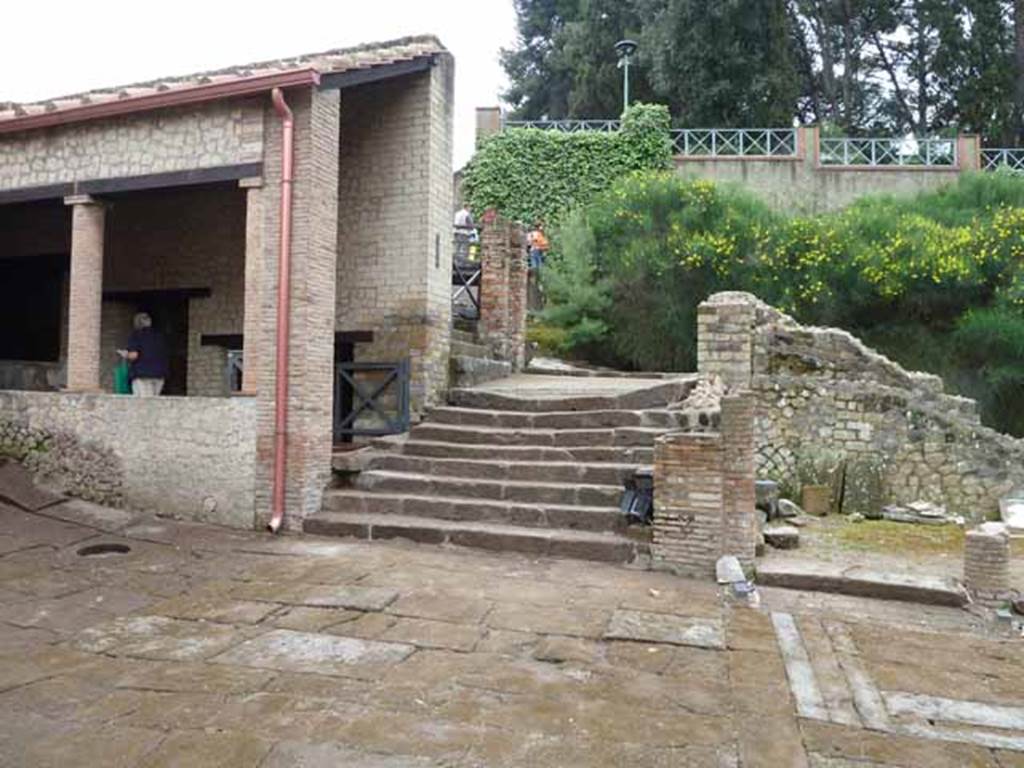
(104, 550)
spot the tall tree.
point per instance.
(727, 63)
(565, 64)
(859, 65)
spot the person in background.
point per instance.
(147, 353)
(538, 244)
(464, 219)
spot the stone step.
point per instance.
(471, 371)
(552, 542)
(524, 492)
(461, 348)
(465, 337)
(654, 396)
(815, 576)
(577, 518)
(555, 438)
(660, 418)
(593, 473)
(624, 454)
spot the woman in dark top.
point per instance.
(147, 353)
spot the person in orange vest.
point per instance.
(538, 244)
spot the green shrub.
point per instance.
(549, 339)
(936, 281)
(528, 174)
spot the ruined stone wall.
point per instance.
(189, 457)
(181, 139)
(395, 221)
(820, 390)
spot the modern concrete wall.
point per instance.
(801, 184)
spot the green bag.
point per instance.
(122, 386)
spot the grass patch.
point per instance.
(898, 538)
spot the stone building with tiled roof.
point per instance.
(189, 198)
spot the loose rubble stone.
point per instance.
(782, 537)
(789, 508)
(767, 497)
(921, 512)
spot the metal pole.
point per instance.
(625, 84)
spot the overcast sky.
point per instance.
(55, 48)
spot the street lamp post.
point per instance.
(625, 49)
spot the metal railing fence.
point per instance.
(1002, 157)
(869, 152)
(883, 152)
(735, 142)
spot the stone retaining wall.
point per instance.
(189, 457)
(820, 390)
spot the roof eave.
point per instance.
(196, 94)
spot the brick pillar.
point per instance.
(704, 492)
(968, 150)
(987, 563)
(688, 490)
(313, 286)
(503, 287)
(254, 237)
(85, 301)
(739, 518)
(725, 338)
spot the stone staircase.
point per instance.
(470, 361)
(536, 468)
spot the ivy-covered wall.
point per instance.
(527, 174)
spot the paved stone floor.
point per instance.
(205, 647)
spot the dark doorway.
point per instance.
(31, 295)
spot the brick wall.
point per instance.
(313, 282)
(221, 133)
(394, 222)
(821, 390)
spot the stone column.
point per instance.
(85, 301)
(253, 269)
(987, 563)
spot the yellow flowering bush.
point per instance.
(654, 245)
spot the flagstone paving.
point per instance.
(207, 647)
